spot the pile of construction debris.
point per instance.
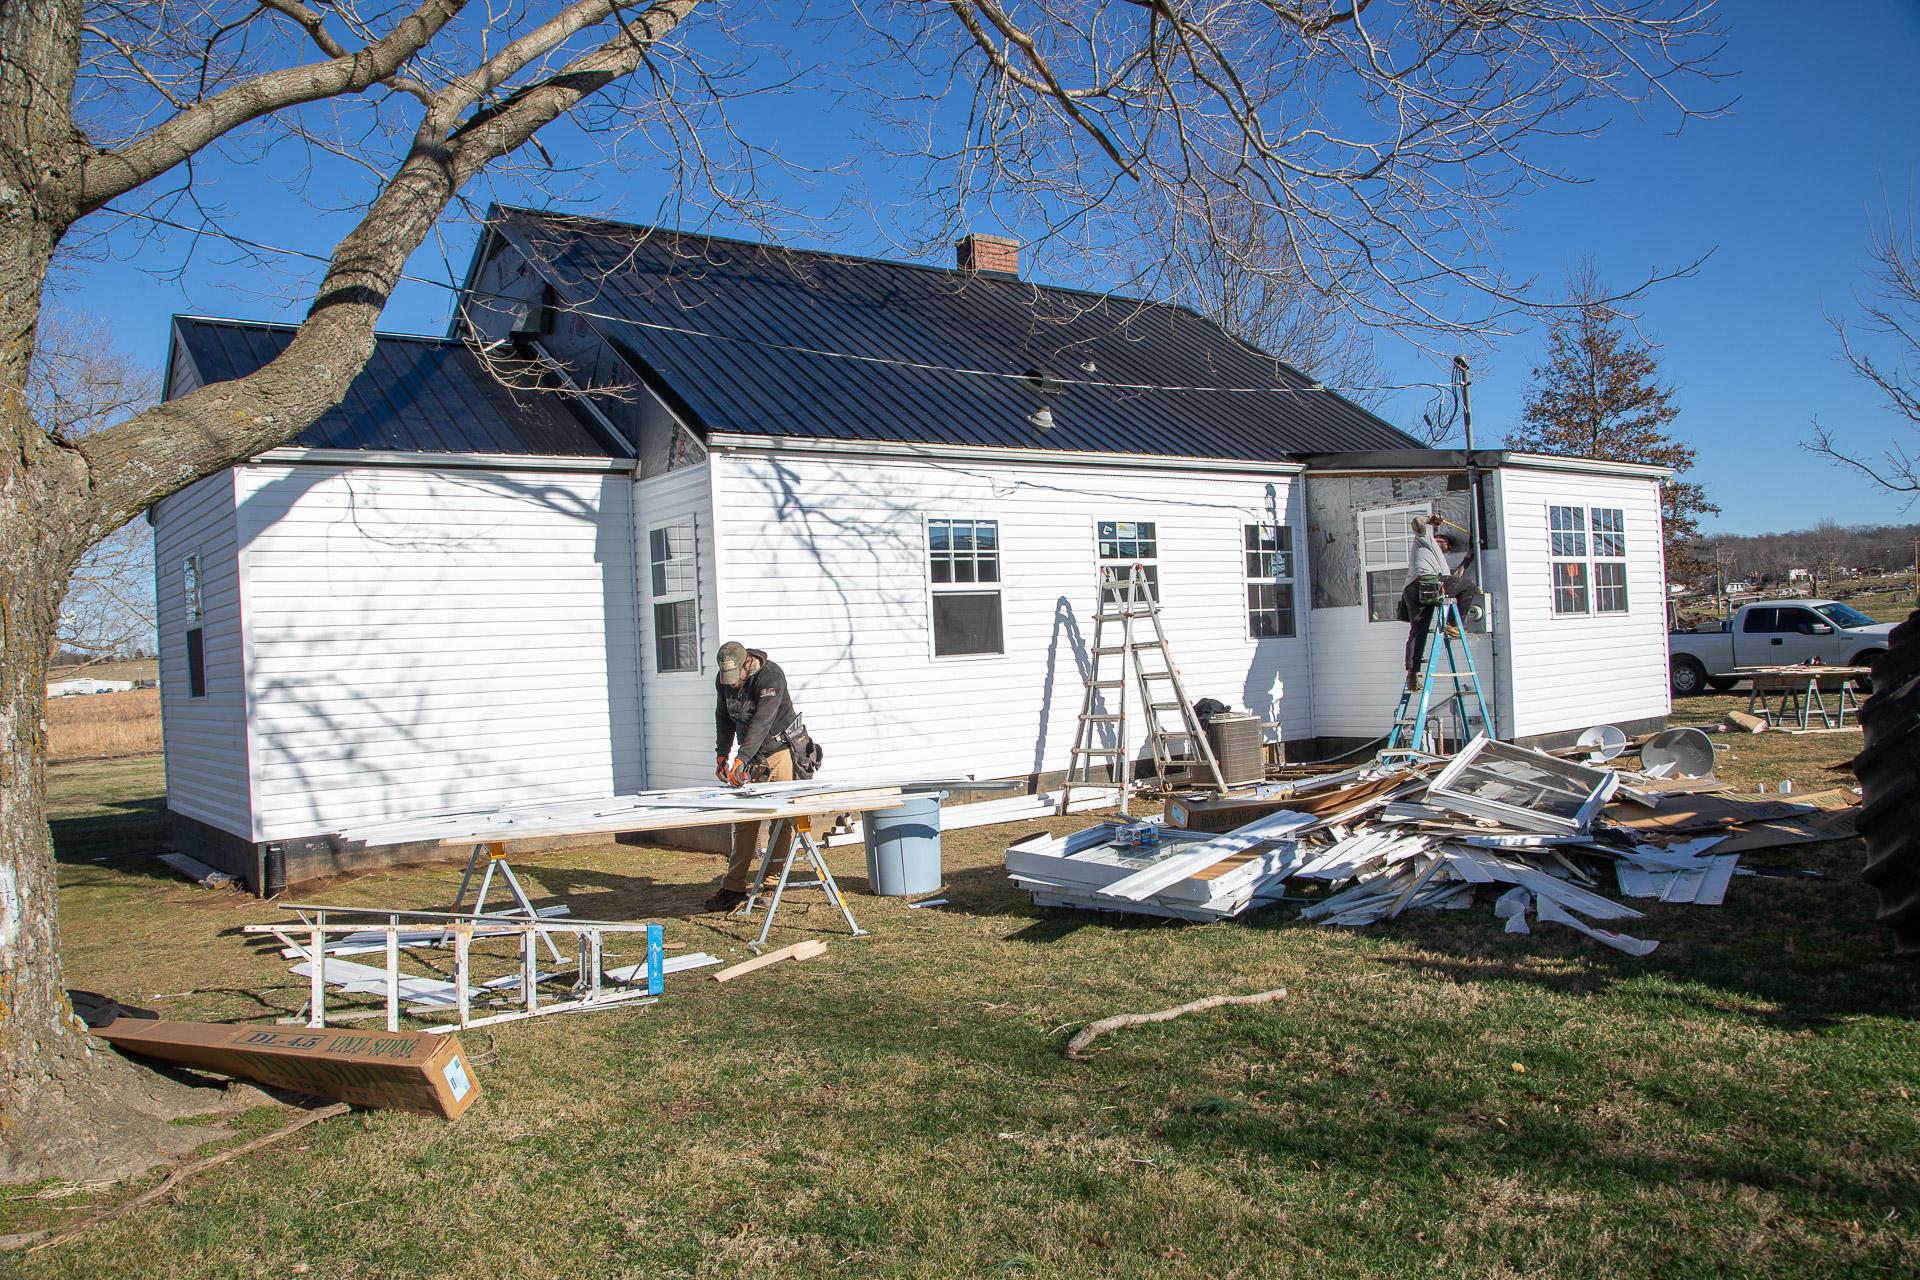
(1532, 833)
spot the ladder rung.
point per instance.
(1098, 751)
(1164, 706)
(1106, 684)
(1103, 719)
(1138, 644)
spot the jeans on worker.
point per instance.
(747, 836)
(1420, 616)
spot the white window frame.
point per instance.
(996, 587)
(1614, 557)
(1587, 548)
(1400, 517)
(191, 589)
(689, 592)
(1283, 556)
(1103, 562)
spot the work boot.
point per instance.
(724, 899)
(1413, 679)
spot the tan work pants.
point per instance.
(747, 836)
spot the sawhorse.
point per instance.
(798, 840)
(496, 855)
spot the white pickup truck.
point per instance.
(1773, 633)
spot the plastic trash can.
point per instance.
(903, 846)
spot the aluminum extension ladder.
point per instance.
(1123, 603)
(1418, 727)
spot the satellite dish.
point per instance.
(1684, 753)
(1603, 742)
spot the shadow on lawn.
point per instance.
(125, 834)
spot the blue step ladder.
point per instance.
(1419, 724)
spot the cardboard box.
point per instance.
(410, 1071)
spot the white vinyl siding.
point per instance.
(1572, 670)
(825, 567)
(204, 737)
(421, 639)
(680, 704)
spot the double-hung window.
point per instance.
(1587, 555)
(963, 570)
(675, 577)
(1269, 573)
(1126, 543)
(1386, 551)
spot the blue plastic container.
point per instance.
(903, 847)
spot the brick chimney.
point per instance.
(988, 253)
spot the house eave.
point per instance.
(467, 461)
(1432, 461)
(736, 442)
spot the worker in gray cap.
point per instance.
(758, 738)
(1431, 580)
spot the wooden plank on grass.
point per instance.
(798, 951)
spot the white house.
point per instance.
(901, 481)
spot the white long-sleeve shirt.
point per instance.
(1428, 558)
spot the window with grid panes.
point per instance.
(1386, 550)
(1125, 543)
(1609, 525)
(963, 571)
(1567, 557)
(1268, 555)
(675, 574)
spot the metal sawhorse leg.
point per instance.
(799, 843)
(496, 855)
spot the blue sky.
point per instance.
(1824, 137)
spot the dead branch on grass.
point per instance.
(1076, 1047)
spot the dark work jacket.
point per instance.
(756, 712)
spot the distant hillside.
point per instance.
(1822, 551)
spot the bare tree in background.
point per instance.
(1883, 347)
(81, 384)
(1379, 140)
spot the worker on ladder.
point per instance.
(1431, 581)
(759, 738)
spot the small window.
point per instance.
(1572, 574)
(1386, 552)
(675, 573)
(196, 664)
(1609, 559)
(1269, 572)
(1761, 620)
(963, 557)
(1126, 543)
(1799, 621)
(190, 587)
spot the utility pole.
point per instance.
(1463, 381)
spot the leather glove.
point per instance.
(737, 776)
(720, 768)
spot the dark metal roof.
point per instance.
(416, 395)
(777, 342)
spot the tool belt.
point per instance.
(1432, 590)
(807, 753)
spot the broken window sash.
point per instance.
(1522, 788)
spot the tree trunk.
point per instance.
(65, 1108)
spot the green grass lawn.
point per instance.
(1436, 1098)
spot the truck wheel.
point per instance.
(1889, 773)
(1864, 684)
(1720, 684)
(1687, 676)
